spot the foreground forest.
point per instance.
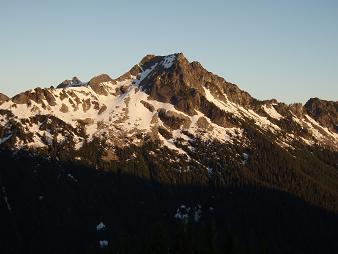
(49, 206)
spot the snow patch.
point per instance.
(239, 111)
(184, 213)
(100, 226)
(6, 199)
(4, 139)
(168, 61)
(103, 243)
(245, 158)
(72, 177)
(272, 112)
(315, 126)
(210, 171)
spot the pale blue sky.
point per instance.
(273, 49)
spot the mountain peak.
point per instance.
(95, 83)
(167, 61)
(3, 98)
(75, 81)
(172, 78)
(323, 111)
(148, 62)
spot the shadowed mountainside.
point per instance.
(55, 208)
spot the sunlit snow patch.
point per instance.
(272, 112)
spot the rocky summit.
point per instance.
(168, 124)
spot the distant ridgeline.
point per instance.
(167, 158)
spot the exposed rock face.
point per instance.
(86, 105)
(87, 121)
(172, 83)
(123, 89)
(182, 84)
(96, 83)
(215, 114)
(38, 95)
(64, 108)
(21, 98)
(3, 98)
(297, 109)
(147, 62)
(165, 133)
(132, 72)
(173, 120)
(325, 112)
(203, 123)
(148, 106)
(102, 109)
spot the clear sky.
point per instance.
(286, 50)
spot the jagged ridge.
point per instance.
(182, 89)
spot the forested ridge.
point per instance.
(272, 203)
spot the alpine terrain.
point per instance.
(167, 158)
